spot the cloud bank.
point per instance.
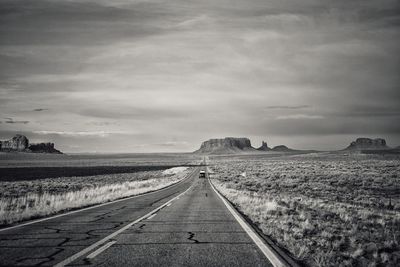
(160, 72)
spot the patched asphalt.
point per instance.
(195, 230)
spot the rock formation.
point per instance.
(264, 147)
(43, 148)
(368, 144)
(226, 145)
(282, 148)
(19, 143)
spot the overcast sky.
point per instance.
(145, 76)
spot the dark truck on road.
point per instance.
(202, 174)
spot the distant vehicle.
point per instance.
(202, 174)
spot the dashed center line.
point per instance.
(114, 234)
(152, 216)
(95, 206)
(100, 250)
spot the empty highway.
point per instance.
(187, 224)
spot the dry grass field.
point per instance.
(26, 199)
(326, 209)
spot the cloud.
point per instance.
(12, 121)
(196, 21)
(165, 144)
(173, 143)
(166, 71)
(288, 107)
(60, 22)
(299, 117)
(100, 123)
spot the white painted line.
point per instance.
(107, 238)
(169, 205)
(152, 216)
(95, 206)
(100, 250)
(271, 255)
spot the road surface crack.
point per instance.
(66, 240)
(191, 238)
(46, 259)
(102, 216)
(91, 232)
(57, 230)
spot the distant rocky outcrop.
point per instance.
(368, 144)
(44, 148)
(282, 148)
(264, 147)
(19, 143)
(226, 145)
(232, 145)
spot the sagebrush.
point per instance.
(326, 209)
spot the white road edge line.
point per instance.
(107, 238)
(93, 207)
(100, 250)
(271, 255)
(152, 216)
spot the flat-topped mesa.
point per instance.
(264, 147)
(44, 148)
(226, 145)
(368, 144)
(19, 143)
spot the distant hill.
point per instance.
(20, 143)
(282, 148)
(368, 144)
(228, 145)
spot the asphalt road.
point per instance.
(195, 229)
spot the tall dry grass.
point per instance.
(38, 201)
(328, 211)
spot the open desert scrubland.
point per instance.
(9, 160)
(326, 209)
(23, 200)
